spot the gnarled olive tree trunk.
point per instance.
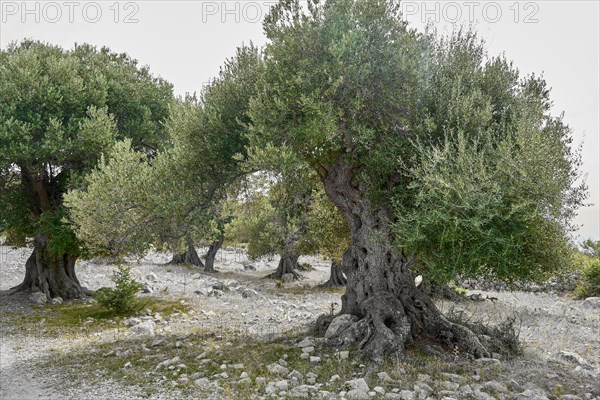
(53, 276)
(209, 265)
(336, 277)
(288, 264)
(190, 256)
(392, 311)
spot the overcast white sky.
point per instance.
(185, 42)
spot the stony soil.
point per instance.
(560, 337)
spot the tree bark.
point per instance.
(53, 276)
(212, 253)
(392, 311)
(288, 264)
(336, 277)
(190, 256)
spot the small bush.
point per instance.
(122, 299)
(590, 285)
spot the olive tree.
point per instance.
(272, 214)
(176, 198)
(388, 117)
(59, 111)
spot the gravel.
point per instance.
(555, 330)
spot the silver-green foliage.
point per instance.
(59, 111)
(457, 149)
(174, 199)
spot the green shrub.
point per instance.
(590, 285)
(122, 299)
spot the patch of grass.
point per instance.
(590, 282)
(296, 290)
(202, 355)
(77, 317)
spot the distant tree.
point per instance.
(59, 111)
(330, 236)
(272, 217)
(175, 199)
(435, 154)
(591, 248)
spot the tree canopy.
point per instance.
(176, 198)
(59, 111)
(475, 174)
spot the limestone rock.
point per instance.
(38, 298)
(144, 328)
(339, 324)
(277, 369)
(592, 303)
(359, 384)
(357, 394)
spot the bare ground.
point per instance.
(246, 304)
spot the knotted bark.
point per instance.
(209, 266)
(190, 256)
(288, 264)
(392, 311)
(51, 274)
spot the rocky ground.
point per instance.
(234, 335)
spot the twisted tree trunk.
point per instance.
(288, 264)
(392, 311)
(190, 256)
(52, 275)
(336, 277)
(212, 253)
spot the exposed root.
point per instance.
(388, 327)
(459, 336)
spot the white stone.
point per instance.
(449, 386)
(282, 385)
(38, 298)
(384, 376)
(305, 343)
(144, 328)
(495, 386)
(489, 362)
(592, 303)
(301, 391)
(202, 382)
(296, 375)
(406, 395)
(379, 390)
(357, 394)
(168, 363)
(572, 357)
(339, 324)
(277, 369)
(359, 383)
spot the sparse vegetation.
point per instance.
(122, 299)
(590, 280)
